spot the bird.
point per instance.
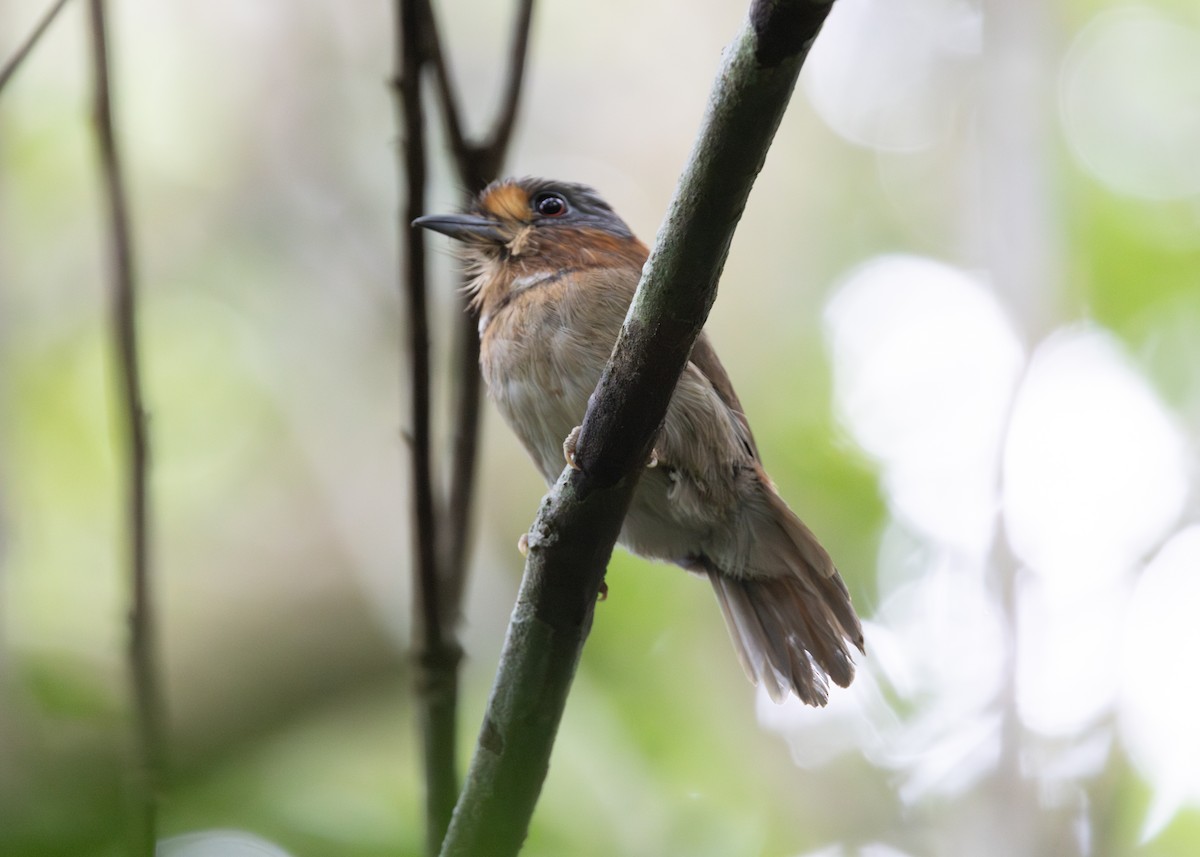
(551, 271)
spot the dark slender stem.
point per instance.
(410, 115)
(30, 42)
(440, 534)
(572, 539)
(436, 653)
(456, 137)
(464, 457)
(477, 165)
(502, 132)
(150, 762)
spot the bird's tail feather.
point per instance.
(788, 612)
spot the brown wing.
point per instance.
(704, 356)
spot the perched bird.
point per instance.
(553, 270)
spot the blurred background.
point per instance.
(962, 312)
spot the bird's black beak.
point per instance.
(463, 227)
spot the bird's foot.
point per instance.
(523, 544)
(603, 596)
(569, 447)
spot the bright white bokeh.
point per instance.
(925, 366)
(1095, 469)
(859, 718)
(925, 362)
(873, 849)
(1066, 651)
(1160, 683)
(1130, 102)
(943, 655)
(1088, 471)
(936, 645)
(885, 73)
(218, 843)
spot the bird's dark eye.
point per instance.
(550, 205)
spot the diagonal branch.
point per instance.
(572, 539)
(150, 761)
(14, 62)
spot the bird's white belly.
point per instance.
(541, 387)
(542, 417)
(655, 526)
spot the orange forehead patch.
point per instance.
(507, 202)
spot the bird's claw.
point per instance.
(523, 544)
(569, 448)
(653, 462)
(603, 596)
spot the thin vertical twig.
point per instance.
(464, 456)
(477, 164)
(436, 652)
(410, 115)
(150, 761)
(441, 531)
(14, 62)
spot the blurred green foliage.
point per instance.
(261, 156)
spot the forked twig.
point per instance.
(440, 531)
(15, 61)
